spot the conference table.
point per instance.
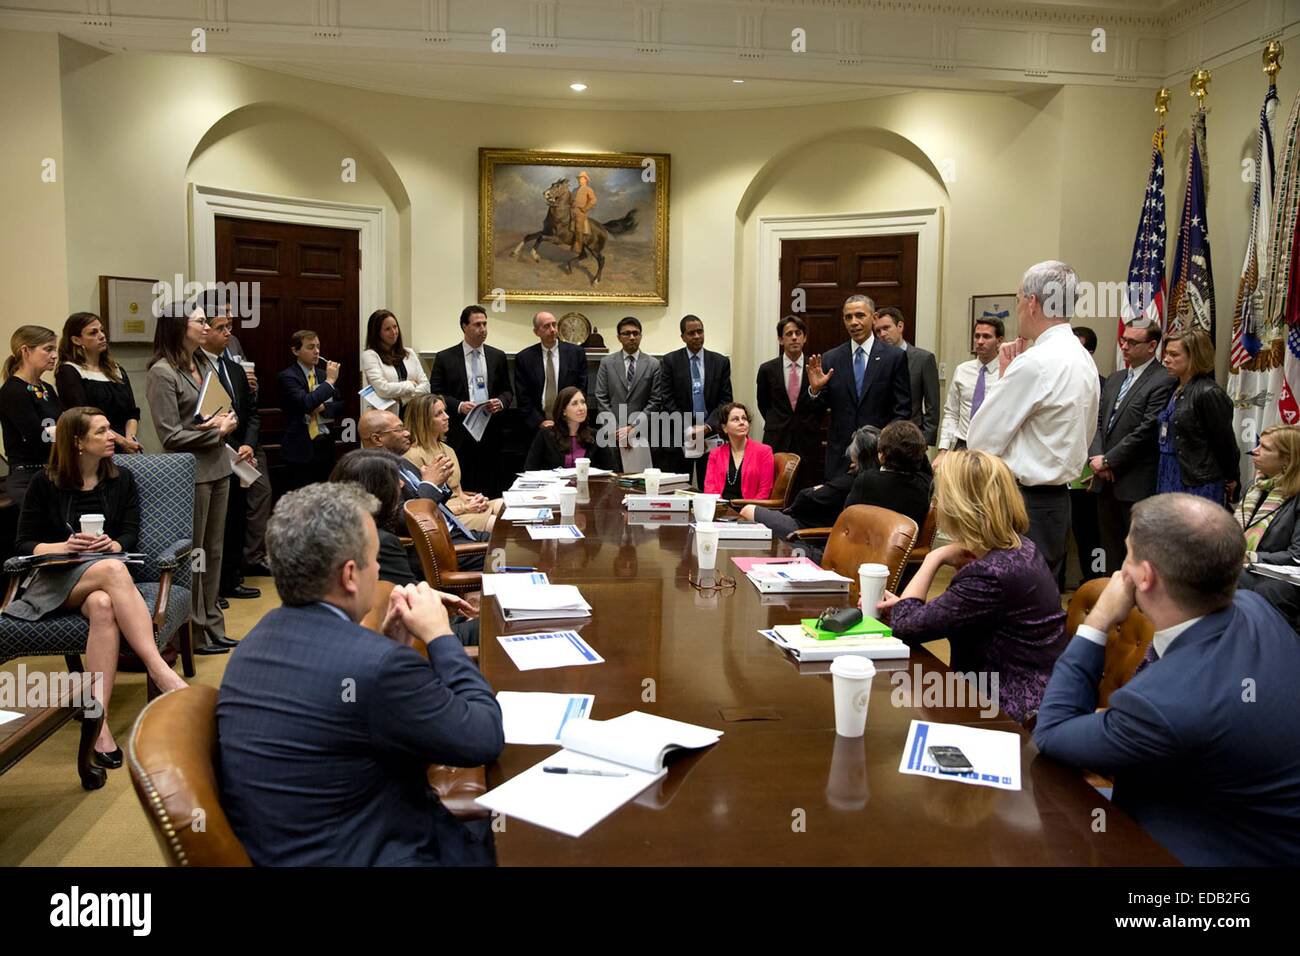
(780, 788)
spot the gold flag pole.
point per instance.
(1162, 104)
(1198, 87)
(1273, 53)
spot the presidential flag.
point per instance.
(1191, 302)
(1144, 300)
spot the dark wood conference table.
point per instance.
(780, 788)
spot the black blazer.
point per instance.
(1131, 447)
(394, 563)
(819, 506)
(244, 401)
(530, 379)
(116, 400)
(787, 429)
(546, 453)
(295, 445)
(315, 776)
(48, 511)
(1281, 542)
(675, 384)
(887, 396)
(1203, 434)
(23, 418)
(903, 492)
(447, 378)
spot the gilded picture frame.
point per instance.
(582, 227)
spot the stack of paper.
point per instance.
(654, 519)
(540, 718)
(1289, 573)
(525, 601)
(548, 532)
(490, 581)
(544, 497)
(526, 514)
(627, 755)
(656, 503)
(737, 530)
(796, 578)
(531, 652)
(592, 472)
(795, 639)
(665, 478)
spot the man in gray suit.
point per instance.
(922, 371)
(627, 390)
(1125, 451)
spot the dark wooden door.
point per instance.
(308, 278)
(828, 271)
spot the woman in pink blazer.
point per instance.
(741, 468)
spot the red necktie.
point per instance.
(792, 386)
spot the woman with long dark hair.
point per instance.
(29, 406)
(176, 375)
(88, 376)
(81, 480)
(393, 370)
(569, 437)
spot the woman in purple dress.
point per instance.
(1002, 612)
(1198, 447)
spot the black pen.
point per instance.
(585, 773)
(508, 569)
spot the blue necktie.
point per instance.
(414, 478)
(479, 392)
(1123, 390)
(697, 387)
(859, 368)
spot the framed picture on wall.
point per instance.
(573, 226)
(994, 306)
(126, 308)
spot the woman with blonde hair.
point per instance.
(427, 421)
(1268, 513)
(29, 406)
(1001, 612)
(1198, 447)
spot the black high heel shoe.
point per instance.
(110, 760)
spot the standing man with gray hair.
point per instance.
(543, 370)
(1041, 414)
(327, 728)
(871, 388)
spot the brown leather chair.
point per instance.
(865, 534)
(172, 755)
(1127, 643)
(438, 557)
(787, 464)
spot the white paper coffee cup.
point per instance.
(851, 677)
(248, 366)
(568, 502)
(583, 467)
(92, 525)
(871, 586)
(652, 484)
(706, 506)
(706, 548)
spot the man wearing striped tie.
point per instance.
(311, 400)
(1125, 451)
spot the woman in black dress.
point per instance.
(81, 481)
(88, 376)
(29, 407)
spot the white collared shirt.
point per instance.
(1041, 415)
(1160, 641)
(956, 408)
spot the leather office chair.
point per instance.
(786, 465)
(438, 557)
(172, 755)
(1127, 644)
(865, 534)
(924, 542)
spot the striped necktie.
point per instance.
(313, 425)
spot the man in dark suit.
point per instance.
(311, 399)
(792, 418)
(326, 728)
(258, 495)
(243, 440)
(379, 428)
(872, 387)
(695, 384)
(1202, 742)
(542, 370)
(1125, 452)
(472, 374)
(922, 373)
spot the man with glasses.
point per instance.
(627, 389)
(1125, 451)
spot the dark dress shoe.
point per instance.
(243, 592)
(223, 604)
(213, 649)
(222, 641)
(110, 760)
(258, 570)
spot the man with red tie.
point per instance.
(792, 418)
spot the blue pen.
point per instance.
(518, 569)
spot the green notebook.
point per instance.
(867, 627)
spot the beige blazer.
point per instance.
(173, 397)
(459, 500)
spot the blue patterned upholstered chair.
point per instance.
(165, 484)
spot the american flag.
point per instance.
(1145, 298)
(1192, 300)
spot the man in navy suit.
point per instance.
(326, 728)
(1203, 741)
(695, 385)
(542, 370)
(872, 387)
(309, 395)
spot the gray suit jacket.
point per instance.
(612, 392)
(173, 397)
(923, 374)
(1131, 446)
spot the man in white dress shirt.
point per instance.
(1041, 415)
(970, 385)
